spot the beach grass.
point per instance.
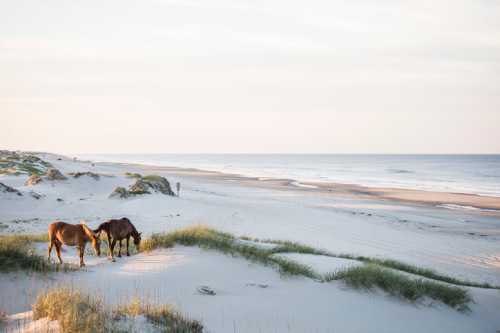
(76, 311)
(17, 253)
(424, 272)
(208, 238)
(368, 276)
(152, 178)
(294, 247)
(165, 317)
(133, 175)
(372, 276)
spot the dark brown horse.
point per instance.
(73, 235)
(118, 230)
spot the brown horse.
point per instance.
(118, 230)
(73, 235)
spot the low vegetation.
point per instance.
(165, 317)
(293, 247)
(22, 163)
(370, 276)
(79, 312)
(74, 311)
(373, 274)
(79, 174)
(143, 185)
(133, 175)
(226, 243)
(17, 253)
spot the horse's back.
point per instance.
(56, 226)
(65, 232)
(120, 228)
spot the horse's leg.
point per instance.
(113, 243)
(51, 243)
(120, 249)
(110, 248)
(128, 239)
(58, 250)
(81, 249)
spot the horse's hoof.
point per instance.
(128, 254)
(113, 260)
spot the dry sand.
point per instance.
(340, 218)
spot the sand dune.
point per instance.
(459, 243)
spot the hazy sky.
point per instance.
(188, 76)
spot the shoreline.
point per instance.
(487, 205)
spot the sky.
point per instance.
(250, 76)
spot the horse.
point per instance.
(73, 235)
(118, 230)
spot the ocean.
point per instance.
(478, 174)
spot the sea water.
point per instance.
(478, 174)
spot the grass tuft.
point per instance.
(133, 175)
(75, 312)
(424, 272)
(17, 253)
(164, 317)
(79, 312)
(371, 276)
(208, 238)
(153, 178)
(293, 247)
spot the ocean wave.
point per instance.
(463, 207)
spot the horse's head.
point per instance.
(137, 239)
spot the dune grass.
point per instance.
(153, 178)
(293, 247)
(133, 175)
(208, 238)
(79, 312)
(16, 253)
(165, 317)
(373, 274)
(75, 312)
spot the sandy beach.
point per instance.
(434, 230)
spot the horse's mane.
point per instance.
(135, 233)
(87, 230)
